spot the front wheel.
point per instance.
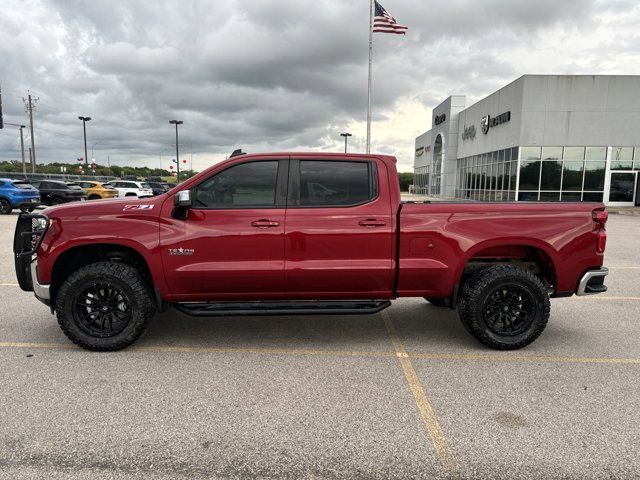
(105, 306)
(57, 201)
(504, 307)
(5, 207)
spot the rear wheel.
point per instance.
(504, 307)
(131, 195)
(94, 197)
(5, 207)
(57, 201)
(105, 306)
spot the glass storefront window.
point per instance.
(574, 153)
(552, 153)
(596, 153)
(530, 153)
(551, 174)
(594, 175)
(530, 175)
(549, 196)
(571, 196)
(622, 185)
(528, 196)
(622, 158)
(592, 197)
(572, 173)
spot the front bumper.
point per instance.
(592, 282)
(42, 292)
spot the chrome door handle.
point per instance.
(264, 223)
(371, 222)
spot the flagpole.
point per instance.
(369, 86)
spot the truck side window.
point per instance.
(336, 183)
(251, 184)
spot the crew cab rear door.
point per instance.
(339, 229)
(231, 245)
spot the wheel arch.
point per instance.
(79, 256)
(537, 256)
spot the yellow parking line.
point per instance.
(524, 358)
(605, 297)
(444, 452)
(345, 353)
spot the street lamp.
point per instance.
(22, 127)
(346, 136)
(176, 123)
(84, 129)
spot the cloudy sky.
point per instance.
(269, 75)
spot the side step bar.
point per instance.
(279, 307)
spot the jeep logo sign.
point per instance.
(488, 121)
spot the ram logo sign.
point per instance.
(488, 121)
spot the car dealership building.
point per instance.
(540, 138)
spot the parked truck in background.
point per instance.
(294, 233)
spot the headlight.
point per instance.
(40, 223)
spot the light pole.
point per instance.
(346, 136)
(176, 123)
(84, 129)
(22, 127)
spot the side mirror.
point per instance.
(182, 201)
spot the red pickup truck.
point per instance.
(295, 233)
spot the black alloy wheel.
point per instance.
(102, 310)
(504, 306)
(5, 207)
(509, 310)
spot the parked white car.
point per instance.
(129, 188)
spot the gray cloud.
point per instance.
(270, 75)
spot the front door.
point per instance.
(339, 231)
(622, 190)
(231, 246)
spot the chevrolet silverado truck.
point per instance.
(292, 233)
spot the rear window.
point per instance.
(23, 185)
(145, 185)
(331, 183)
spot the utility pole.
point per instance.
(33, 165)
(29, 105)
(1, 119)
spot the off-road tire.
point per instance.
(124, 277)
(481, 285)
(437, 302)
(5, 207)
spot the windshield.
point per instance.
(23, 185)
(74, 186)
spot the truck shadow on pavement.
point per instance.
(416, 323)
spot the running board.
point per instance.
(279, 307)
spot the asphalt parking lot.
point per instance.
(402, 394)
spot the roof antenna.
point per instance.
(237, 152)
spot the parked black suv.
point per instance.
(158, 187)
(55, 192)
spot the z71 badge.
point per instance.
(137, 207)
(181, 251)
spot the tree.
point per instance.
(405, 179)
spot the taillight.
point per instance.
(600, 218)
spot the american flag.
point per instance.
(385, 23)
